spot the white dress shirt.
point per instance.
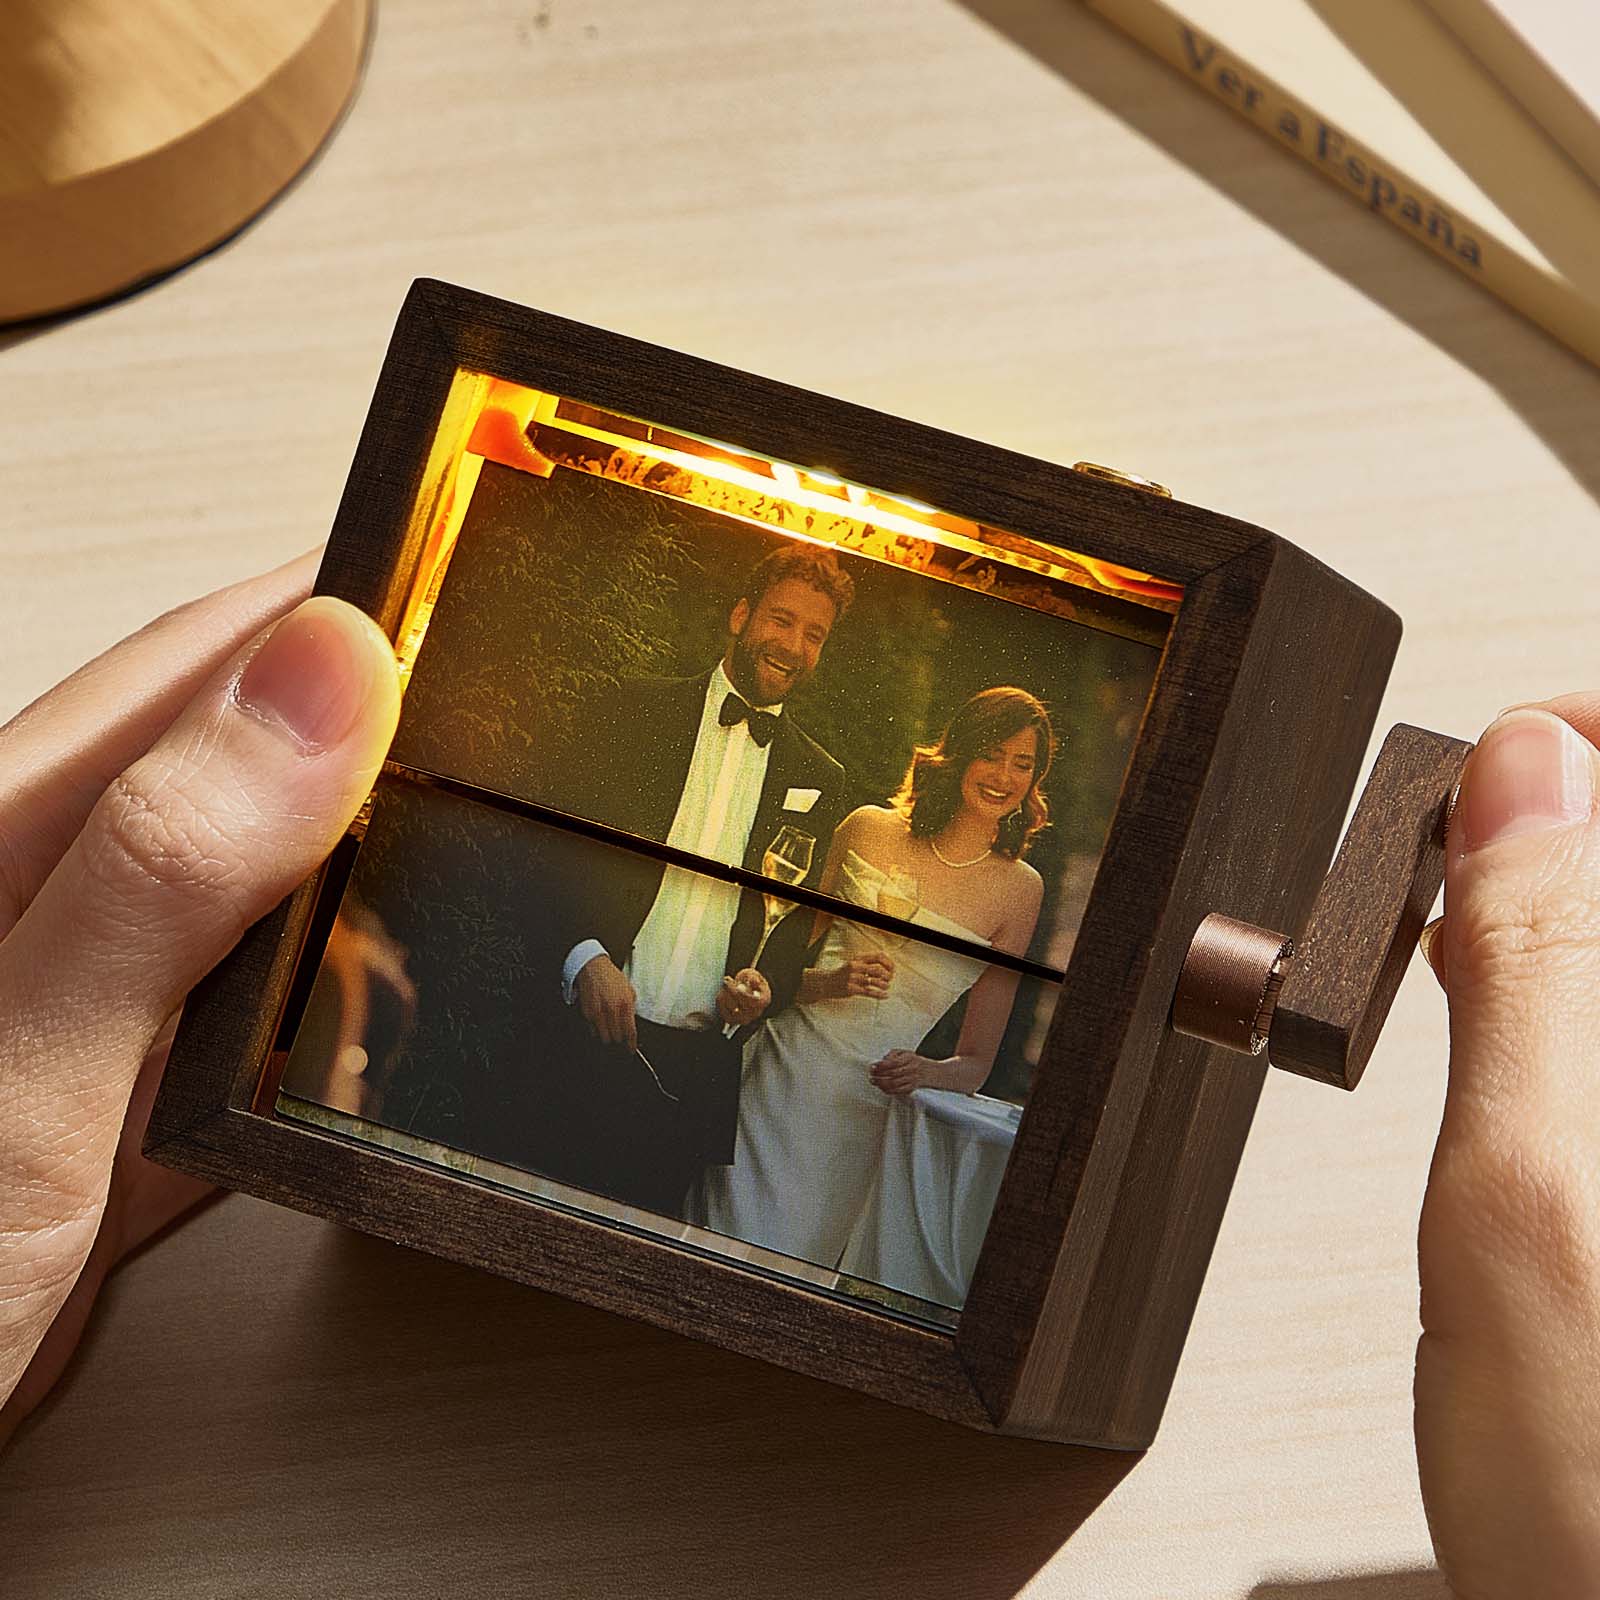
(678, 959)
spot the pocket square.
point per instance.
(801, 799)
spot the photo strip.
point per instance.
(830, 1171)
(725, 868)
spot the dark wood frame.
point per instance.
(1264, 703)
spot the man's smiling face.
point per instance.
(778, 641)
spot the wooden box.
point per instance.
(1262, 699)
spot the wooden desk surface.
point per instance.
(996, 217)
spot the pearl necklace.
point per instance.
(987, 851)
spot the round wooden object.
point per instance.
(135, 134)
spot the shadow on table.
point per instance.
(1393, 42)
(1418, 1584)
(15, 333)
(484, 1426)
(1539, 378)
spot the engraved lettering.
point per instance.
(1200, 51)
(1383, 193)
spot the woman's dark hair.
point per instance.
(931, 793)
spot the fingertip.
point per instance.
(299, 571)
(324, 677)
(382, 710)
(1531, 771)
(1581, 708)
(1520, 949)
(311, 556)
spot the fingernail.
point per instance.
(1431, 942)
(1530, 771)
(311, 678)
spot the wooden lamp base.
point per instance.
(133, 137)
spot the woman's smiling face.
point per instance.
(996, 782)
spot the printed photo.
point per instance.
(833, 1136)
(565, 960)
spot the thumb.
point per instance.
(1507, 1408)
(1521, 935)
(244, 795)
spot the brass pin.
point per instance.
(1128, 480)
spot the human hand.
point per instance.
(744, 997)
(608, 1002)
(867, 976)
(152, 807)
(901, 1071)
(377, 1008)
(1508, 1366)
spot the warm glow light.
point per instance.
(776, 495)
(447, 484)
(488, 419)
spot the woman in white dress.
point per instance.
(946, 854)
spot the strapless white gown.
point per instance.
(811, 1124)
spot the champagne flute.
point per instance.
(788, 859)
(898, 897)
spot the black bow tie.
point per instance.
(763, 724)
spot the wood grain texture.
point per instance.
(1362, 932)
(134, 137)
(1253, 831)
(1071, 258)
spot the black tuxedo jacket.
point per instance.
(631, 776)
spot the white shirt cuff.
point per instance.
(578, 957)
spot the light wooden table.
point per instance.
(997, 218)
